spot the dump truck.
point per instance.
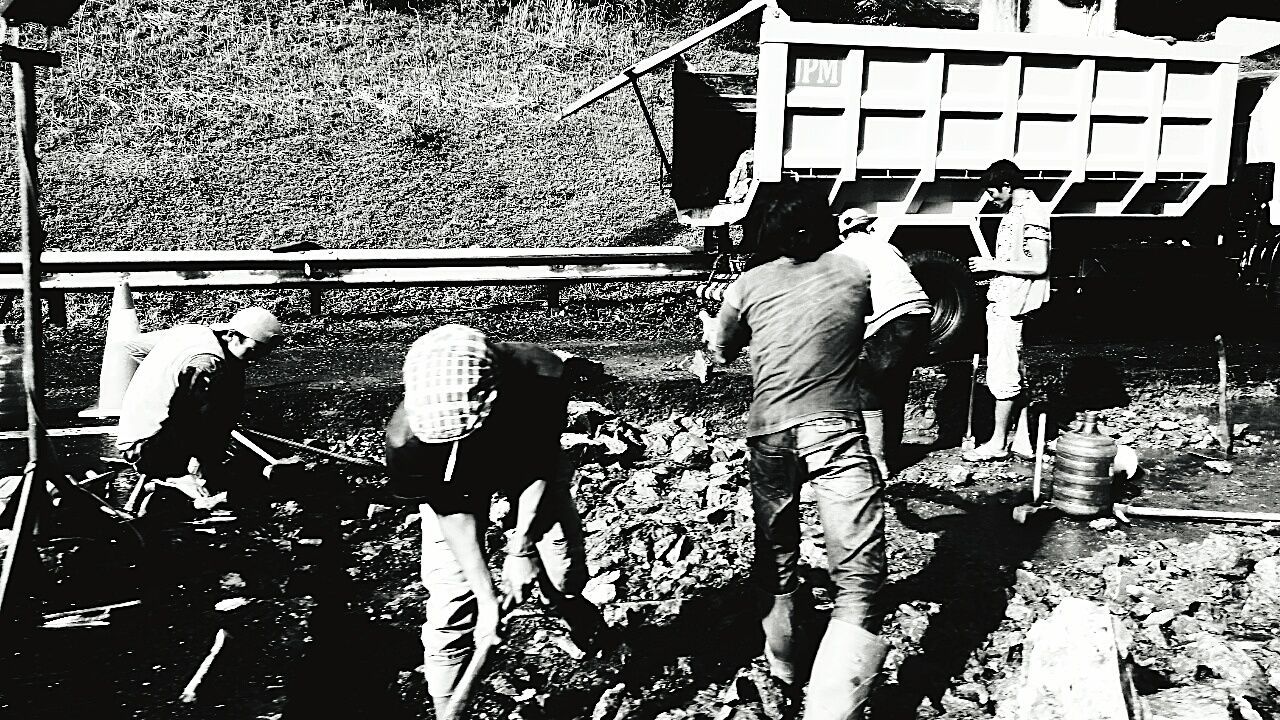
(1135, 145)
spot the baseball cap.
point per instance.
(255, 323)
(853, 218)
(450, 383)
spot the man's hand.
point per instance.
(520, 574)
(982, 264)
(708, 325)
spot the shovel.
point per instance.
(1022, 513)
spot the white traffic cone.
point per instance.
(118, 365)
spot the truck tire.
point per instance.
(946, 280)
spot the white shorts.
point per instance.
(1004, 350)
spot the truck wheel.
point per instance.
(946, 280)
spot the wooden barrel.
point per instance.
(1082, 470)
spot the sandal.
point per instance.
(978, 454)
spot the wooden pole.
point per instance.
(1224, 410)
(33, 485)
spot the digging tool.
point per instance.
(1124, 512)
(318, 451)
(466, 686)
(276, 468)
(475, 669)
(969, 441)
(1022, 513)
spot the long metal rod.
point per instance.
(196, 270)
(33, 490)
(318, 451)
(653, 127)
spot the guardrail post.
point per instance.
(317, 301)
(551, 293)
(716, 239)
(57, 302)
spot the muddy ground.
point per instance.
(314, 577)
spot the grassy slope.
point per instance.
(200, 124)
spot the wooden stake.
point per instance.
(1224, 410)
(33, 490)
(189, 692)
(1035, 481)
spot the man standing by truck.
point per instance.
(803, 314)
(1020, 286)
(480, 418)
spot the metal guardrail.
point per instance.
(261, 269)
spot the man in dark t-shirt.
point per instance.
(481, 418)
(803, 316)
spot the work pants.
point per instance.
(447, 634)
(884, 371)
(832, 454)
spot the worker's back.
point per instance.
(806, 321)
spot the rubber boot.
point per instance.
(844, 672)
(874, 422)
(781, 632)
(441, 704)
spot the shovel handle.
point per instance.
(1225, 515)
(1035, 482)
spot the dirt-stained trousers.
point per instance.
(447, 634)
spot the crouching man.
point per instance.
(185, 397)
(480, 418)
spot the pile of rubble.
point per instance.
(1199, 618)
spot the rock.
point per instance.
(607, 706)
(1217, 552)
(1221, 466)
(1029, 585)
(1264, 585)
(1183, 626)
(1102, 523)
(585, 417)
(1155, 636)
(695, 481)
(1160, 617)
(602, 588)
(1197, 702)
(1168, 425)
(959, 475)
(1070, 668)
(230, 604)
(656, 445)
(689, 448)
(1228, 662)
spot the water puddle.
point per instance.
(1181, 479)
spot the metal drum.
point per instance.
(1082, 470)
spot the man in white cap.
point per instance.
(185, 396)
(480, 418)
(897, 333)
